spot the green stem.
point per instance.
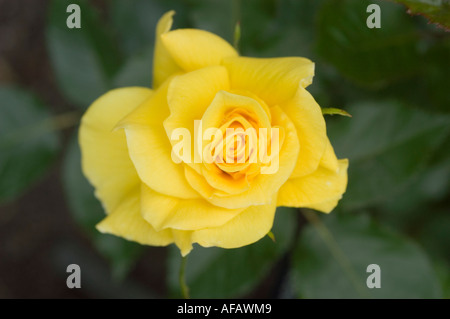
(335, 250)
(237, 36)
(236, 22)
(184, 287)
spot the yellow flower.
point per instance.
(156, 194)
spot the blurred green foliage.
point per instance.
(393, 80)
(437, 11)
(28, 142)
(332, 257)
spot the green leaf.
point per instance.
(437, 11)
(434, 233)
(443, 272)
(411, 208)
(84, 60)
(204, 16)
(387, 145)
(435, 79)
(135, 21)
(334, 111)
(87, 212)
(374, 57)
(222, 273)
(288, 29)
(28, 142)
(334, 251)
(137, 70)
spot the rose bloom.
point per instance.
(156, 196)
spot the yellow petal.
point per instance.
(194, 49)
(246, 228)
(275, 80)
(329, 159)
(189, 95)
(183, 240)
(213, 118)
(222, 182)
(126, 221)
(105, 160)
(319, 190)
(198, 182)
(226, 101)
(184, 214)
(307, 117)
(326, 206)
(150, 148)
(163, 64)
(263, 186)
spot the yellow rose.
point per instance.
(156, 194)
